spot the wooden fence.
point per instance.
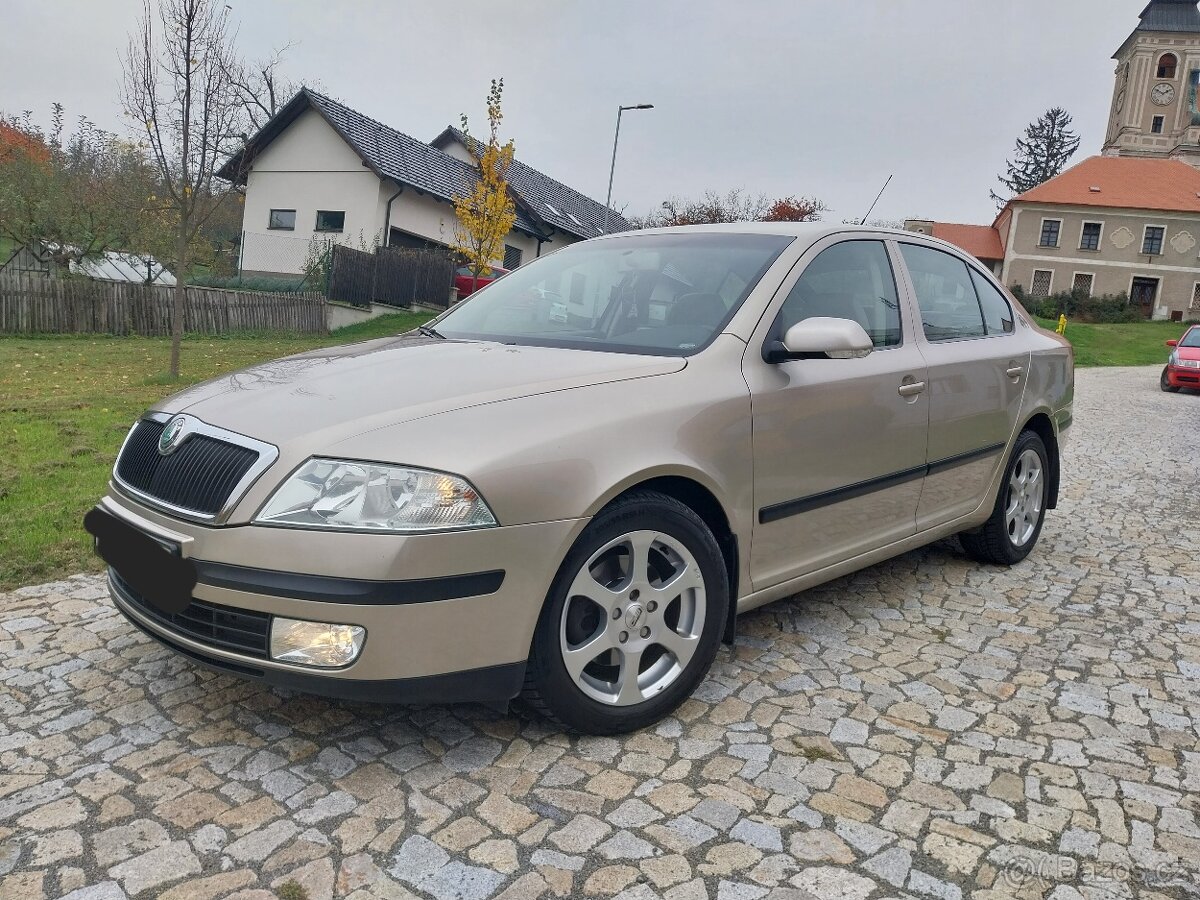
(32, 304)
(397, 276)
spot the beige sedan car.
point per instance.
(569, 485)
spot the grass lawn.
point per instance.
(1135, 344)
(66, 403)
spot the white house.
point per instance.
(318, 168)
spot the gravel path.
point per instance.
(926, 728)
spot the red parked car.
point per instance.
(1183, 365)
(467, 284)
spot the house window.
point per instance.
(1143, 291)
(330, 220)
(1156, 125)
(1043, 280)
(1196, 295)
(1089, 239)
(1152, 240)
(1050, 232)
(282, 220)
(1167, 65)
(512, 257)
(1083, 283)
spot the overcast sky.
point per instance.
(805, 97)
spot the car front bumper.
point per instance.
(448, 616)
(1183, 377)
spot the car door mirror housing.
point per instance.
(822, 337)
(1172, 343)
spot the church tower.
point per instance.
(1156, 108)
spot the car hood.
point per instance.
(327, 395)
(1187, 352)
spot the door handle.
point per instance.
(911, 388)
(1016, 371)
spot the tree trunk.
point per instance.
(178, 301)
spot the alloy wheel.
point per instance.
(633, 618)
(1023, 509)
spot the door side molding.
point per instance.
(777, 511)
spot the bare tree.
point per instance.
(177, 87)
(261, 88)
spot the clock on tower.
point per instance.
(1158, 68)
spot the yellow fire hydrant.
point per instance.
(1062, 324)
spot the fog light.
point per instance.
(315, 643)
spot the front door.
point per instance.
(839, 444)
(1142, 295)
(977, 375)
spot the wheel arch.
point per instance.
(1041, 425)
(703, 501)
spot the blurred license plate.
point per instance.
(152, 566)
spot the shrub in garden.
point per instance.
(1080, 306)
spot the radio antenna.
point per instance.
(872, 209)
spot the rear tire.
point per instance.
(633, 619)
(1015, 524)
(1165, 384)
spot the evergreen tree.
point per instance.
(1040, 155)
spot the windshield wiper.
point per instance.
(431, 332)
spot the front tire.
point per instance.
(1164, 383)
(633, 619)
(1016, 521)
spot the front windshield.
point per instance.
(664, 294)
(1191, 339)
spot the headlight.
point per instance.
(1188, 363)
(359, 496)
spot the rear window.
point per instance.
(949, 306)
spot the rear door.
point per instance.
(976, 379)
(839, 444)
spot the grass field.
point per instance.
(66, 403)
(1136, 344)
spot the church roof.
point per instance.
(1171, 15)
(1123, 182)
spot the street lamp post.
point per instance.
(613, 168)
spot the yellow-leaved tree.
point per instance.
(484, 217)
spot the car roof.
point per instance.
(812, 230)
(809, 232)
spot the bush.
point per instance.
(1079, 306)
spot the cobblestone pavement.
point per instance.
(927, 728)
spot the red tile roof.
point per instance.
(1123, 182)
(981, 241)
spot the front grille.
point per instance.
(223, 627)
(199, 476)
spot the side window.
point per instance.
(997, 314)
(949, 308)
(282, 220)
(850, 280)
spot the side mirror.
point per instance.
(822, 337)
(1172, 343)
